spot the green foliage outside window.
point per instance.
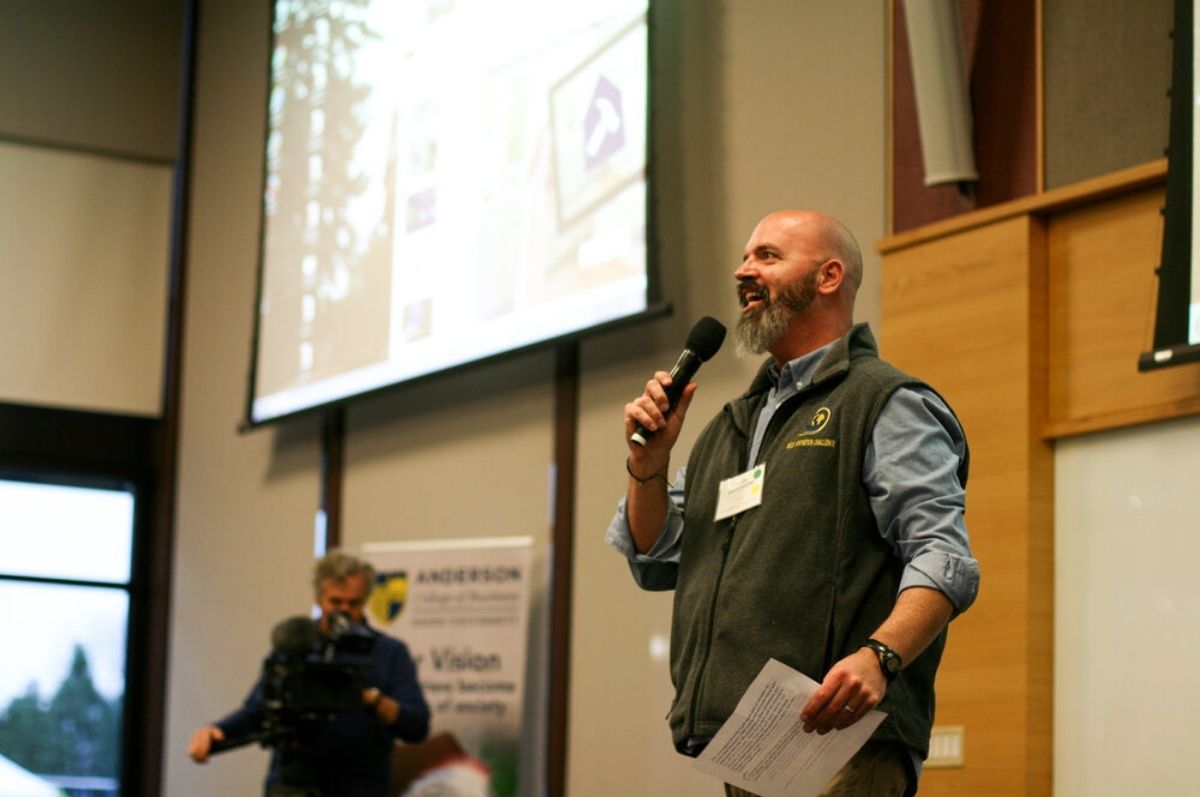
(76, 732)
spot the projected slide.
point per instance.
(445, 180)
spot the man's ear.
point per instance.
(830, 275)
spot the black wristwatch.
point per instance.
(889, 660)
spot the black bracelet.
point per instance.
(651, 477)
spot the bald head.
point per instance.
(827, 237)
(797, 283)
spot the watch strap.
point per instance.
(889, 660)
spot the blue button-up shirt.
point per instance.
(910, 471)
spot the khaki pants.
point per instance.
(879, 769)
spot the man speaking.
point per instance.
(349, 752)
(819, 520)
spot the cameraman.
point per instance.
(351, 752)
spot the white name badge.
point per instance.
(741, 492)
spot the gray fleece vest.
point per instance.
(805, 577)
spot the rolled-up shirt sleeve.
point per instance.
(911, 473)
(656, 568)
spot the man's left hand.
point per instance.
(854, 686)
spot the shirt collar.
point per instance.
(796, 374)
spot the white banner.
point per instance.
(462, 607)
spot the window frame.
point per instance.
(109, 450)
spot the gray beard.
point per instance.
(754, 334)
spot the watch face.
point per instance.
(889, 660)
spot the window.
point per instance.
(82, 603)
(64, 608)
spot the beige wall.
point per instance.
(87, 137)
(82, 279)
(97, 76)
(1125, 580)
(762, 104)
(246, 503)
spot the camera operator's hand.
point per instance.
(202, 741)
(387, 711)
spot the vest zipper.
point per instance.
(712, 609)
(775, 421)
(708, 633)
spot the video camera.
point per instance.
(308, 679)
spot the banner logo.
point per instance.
(388, 597)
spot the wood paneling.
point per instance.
(1029, 317)
(1102, 295)
(967, 313)
(1049, 203)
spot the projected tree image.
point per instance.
(316, 175)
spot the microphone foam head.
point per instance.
(706, 337)
(294, 636)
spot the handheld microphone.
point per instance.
(702, 343)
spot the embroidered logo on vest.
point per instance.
(820, 420)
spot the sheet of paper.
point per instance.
(763, 748)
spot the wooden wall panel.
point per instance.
(967, 313)
(1030, 317)
(1102, 294)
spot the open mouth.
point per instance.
(752, 296)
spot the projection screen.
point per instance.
(445, 181)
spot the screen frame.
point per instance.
(1175, 269)
(655, 304)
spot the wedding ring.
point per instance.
(847, 708)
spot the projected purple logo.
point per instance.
(422, 210)
(603, 127)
